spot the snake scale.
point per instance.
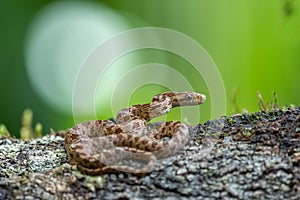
(98, 146)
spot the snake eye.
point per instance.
(189, 97)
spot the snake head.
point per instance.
(182, 98)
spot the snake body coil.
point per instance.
(98, 146)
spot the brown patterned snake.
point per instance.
(98, 146)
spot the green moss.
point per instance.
(3, 130)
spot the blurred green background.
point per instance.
(255, 44)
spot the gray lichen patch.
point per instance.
(60, 183)
(19, 157)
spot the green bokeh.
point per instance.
(255, 44)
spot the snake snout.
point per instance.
(203, 98)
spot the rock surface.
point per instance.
(247, 156)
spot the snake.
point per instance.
(101, 146)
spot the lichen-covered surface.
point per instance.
(249, 156)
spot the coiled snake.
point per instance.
(98, 146)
